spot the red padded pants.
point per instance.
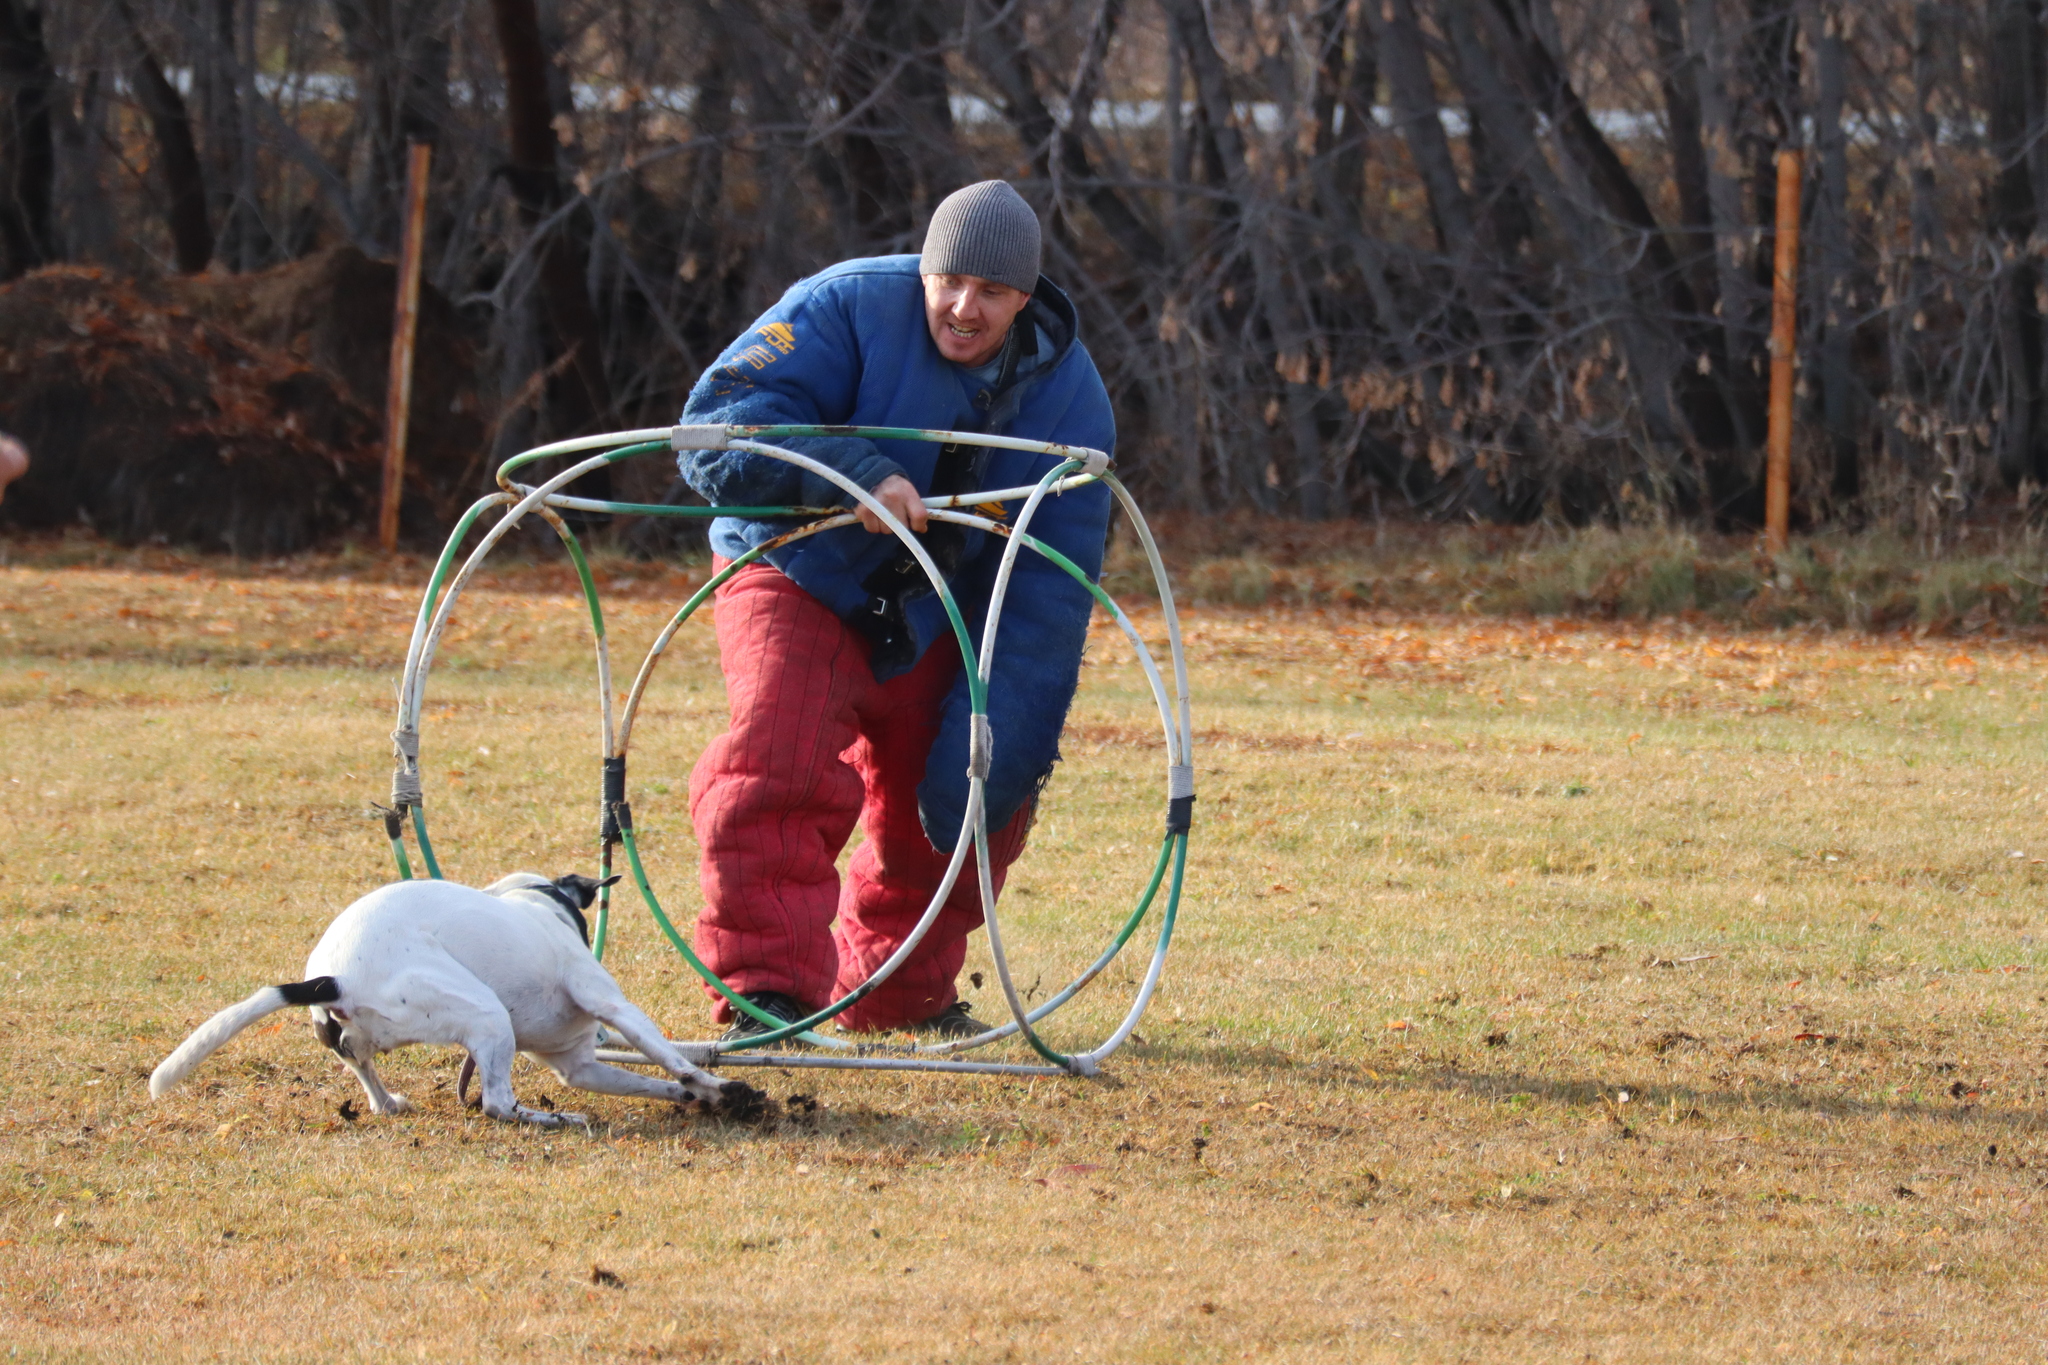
(816, 744)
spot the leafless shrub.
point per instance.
(1505, 259)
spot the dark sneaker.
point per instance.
(955, 1022)
(786, 1008)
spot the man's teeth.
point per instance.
(962, 331)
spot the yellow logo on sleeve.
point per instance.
(778, 339)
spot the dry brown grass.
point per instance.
(1545, 993)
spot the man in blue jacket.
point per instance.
(845, 683)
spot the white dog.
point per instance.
(499, 971)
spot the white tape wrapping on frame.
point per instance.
(405, 779)
(981, 745)
(697, 438)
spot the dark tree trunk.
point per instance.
(1003, 56)
(400, 55)
(1659, 281)
(698, 264)
(1501, 164)
(1833, 278)
(1506, 159)
(879, 175)
(1677, 62)
(535, 179)
(86, 223)
(214, 79)
(1768, 117)
(897, 146)
(184, 178)
(1328, 29)
(1287, 330)
(1130, 232)
(2015, 95)
(1361, 91)
(1745, 308)
(1399, 42)
(28, 90)
(1925, 223)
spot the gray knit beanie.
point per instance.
(985, 230)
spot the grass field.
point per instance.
(1546, 992)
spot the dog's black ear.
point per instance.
(583, 890)
(577, 888)
(613, 880)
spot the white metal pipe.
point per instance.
(833, 1063)
(1175, 713)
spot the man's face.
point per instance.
(969, 316)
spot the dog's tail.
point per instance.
(211, 1035)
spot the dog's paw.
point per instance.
(550, 1118)
(394, 1104)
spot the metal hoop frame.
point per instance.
(1074, 467)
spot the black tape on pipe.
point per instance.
(1180, 815)
(614, 798)
(394, 824)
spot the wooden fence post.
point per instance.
(1784, 347)
(404, 327)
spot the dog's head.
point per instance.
(569, 895)
(583, 890)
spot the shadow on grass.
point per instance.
(1648, 1101)
(1654, 1101)
(791, 1110)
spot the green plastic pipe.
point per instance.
(419, 829)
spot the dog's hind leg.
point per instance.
(493, 1046)
(382, 1101)
(358, 1053)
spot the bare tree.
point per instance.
(28, 92)
(1498, 258)
(177, 152)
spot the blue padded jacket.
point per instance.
(850, 346)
